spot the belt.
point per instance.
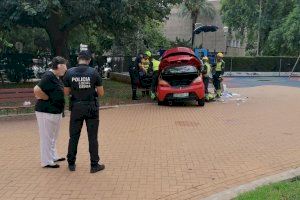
(82, 102)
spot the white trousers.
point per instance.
(49, 125)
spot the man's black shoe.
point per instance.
(136, 98)
(97, 168)
(72, 167)
(60, 159)
(52, 166)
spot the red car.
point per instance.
(180, 77)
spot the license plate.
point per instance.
(181, 95)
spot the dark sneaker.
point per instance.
(72, 167)
(52, 166)
(97, 168)
(60, 159)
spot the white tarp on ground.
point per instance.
(230, 96)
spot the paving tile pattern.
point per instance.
(162, 152)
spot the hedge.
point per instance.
(261, 64)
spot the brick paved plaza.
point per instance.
(162, 152)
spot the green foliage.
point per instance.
(198, 8)
(60, 17)
(287, 190)
(4, 43)
(17, 67)
(286, 39)
(33, 39)
(90, 34)
(278, 26)
(181, 43)
(148, 36)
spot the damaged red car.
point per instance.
(180, 77)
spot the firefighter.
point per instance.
(218, 72)
(206, 73)
(155, 66)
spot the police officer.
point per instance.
(134, 76)
(84, 84)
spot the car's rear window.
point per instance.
(180, 70)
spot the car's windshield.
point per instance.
(180, 70)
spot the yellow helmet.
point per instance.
(220, 55)
(148, 53)
(205, 58)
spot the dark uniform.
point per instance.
(84, 105)
(134, 76)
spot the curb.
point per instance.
(235, 191)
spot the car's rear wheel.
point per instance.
(201, 102)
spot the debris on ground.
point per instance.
(230, 96)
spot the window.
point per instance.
(180, 70)
(232, 43)
(238, 43)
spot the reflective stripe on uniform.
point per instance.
(208, 69)
(155, 64)
(220, 66)
(145, 63)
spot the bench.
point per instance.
(13, 99)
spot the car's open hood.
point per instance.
(177, 57)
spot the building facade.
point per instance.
(179, 26)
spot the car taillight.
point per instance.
(198, 80)
(163, 83)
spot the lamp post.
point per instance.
(259, 25)
(225, 29)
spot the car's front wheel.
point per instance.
(201, 102)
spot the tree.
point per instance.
(198, 8)
(4, 43)
(98, 40)
(243, 17)
(59, 17)
(33, 39)
(285, 40)
(148, 36)
(181, 43)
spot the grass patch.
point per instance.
(285, 190)
(116, 93)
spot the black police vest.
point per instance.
(83, 80)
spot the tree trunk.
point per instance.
(194, 21)
(59, 44)
(58, 38)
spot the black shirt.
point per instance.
(54, 88)
(135, 67)
(83, 81)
